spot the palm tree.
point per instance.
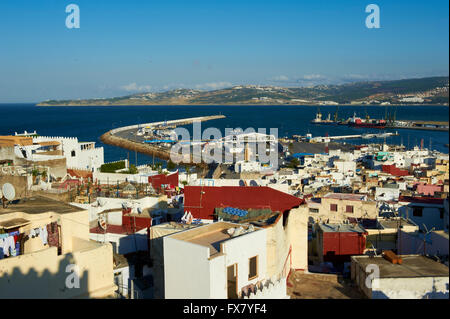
(188, 172)
(44, 175)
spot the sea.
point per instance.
(88, 123)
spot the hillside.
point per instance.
(432, 90)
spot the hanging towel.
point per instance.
(53, 234)
(8, 243)
(43, 234)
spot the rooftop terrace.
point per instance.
(341, 228)
(413, 266)
(211, 235)
(39, 205)
(341, 196)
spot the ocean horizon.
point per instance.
(88, 123)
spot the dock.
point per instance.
(420, 125)
(167, 124)
(125, 137)
(325, 139)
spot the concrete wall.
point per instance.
(361, 209)
(278, 246)
(400, 288)
(436, 244)
(20, 183)
(238, 251)
(186, 270)
(430, 216)
(297, 229)
(43, 274)
(122, 243)
(204, 277)
(74, 225)
(112, 178)
(412, 288)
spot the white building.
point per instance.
(217, 265)
(417, 277)
(79, 155)
(389, 192)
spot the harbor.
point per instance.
(153, 139)
(389, 122)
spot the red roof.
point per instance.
(201, 201)
(157, 180)
(79, 173)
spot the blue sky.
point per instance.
(130, 46)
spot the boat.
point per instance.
(356, 121)
(318, 119)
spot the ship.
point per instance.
(319, 120)
(356, 121)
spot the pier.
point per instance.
(420, 125)
(325, 139)
(126, 137)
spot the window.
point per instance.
(313, 210)
(73, 153)
(417, 211)
(349, 209)
(333, 207)
(253, 268)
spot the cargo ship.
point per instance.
(318, 119)
(367, 122)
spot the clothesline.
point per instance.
(12, 244)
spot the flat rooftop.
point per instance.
(413, 266)
(341, 228)
(39, 205)
(395, 222)
(211, 235)
(341, 196)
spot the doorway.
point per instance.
(232, 281)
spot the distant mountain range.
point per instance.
(431, 90)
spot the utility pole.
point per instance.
(424, 238)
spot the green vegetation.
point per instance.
(131, 170)
(293, 163)
(345, 93)
(112, 167)
(35, 172)
(171, 165)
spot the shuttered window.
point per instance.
(253, 268)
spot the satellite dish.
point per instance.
(102, 221)
(101, 202)
(8, 191)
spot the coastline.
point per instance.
(225, 104)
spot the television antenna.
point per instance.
(424, 237)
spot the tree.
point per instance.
(44, 175)
(294, 163)
(171, 165)
(132, 169)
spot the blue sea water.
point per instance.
(89, 123)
